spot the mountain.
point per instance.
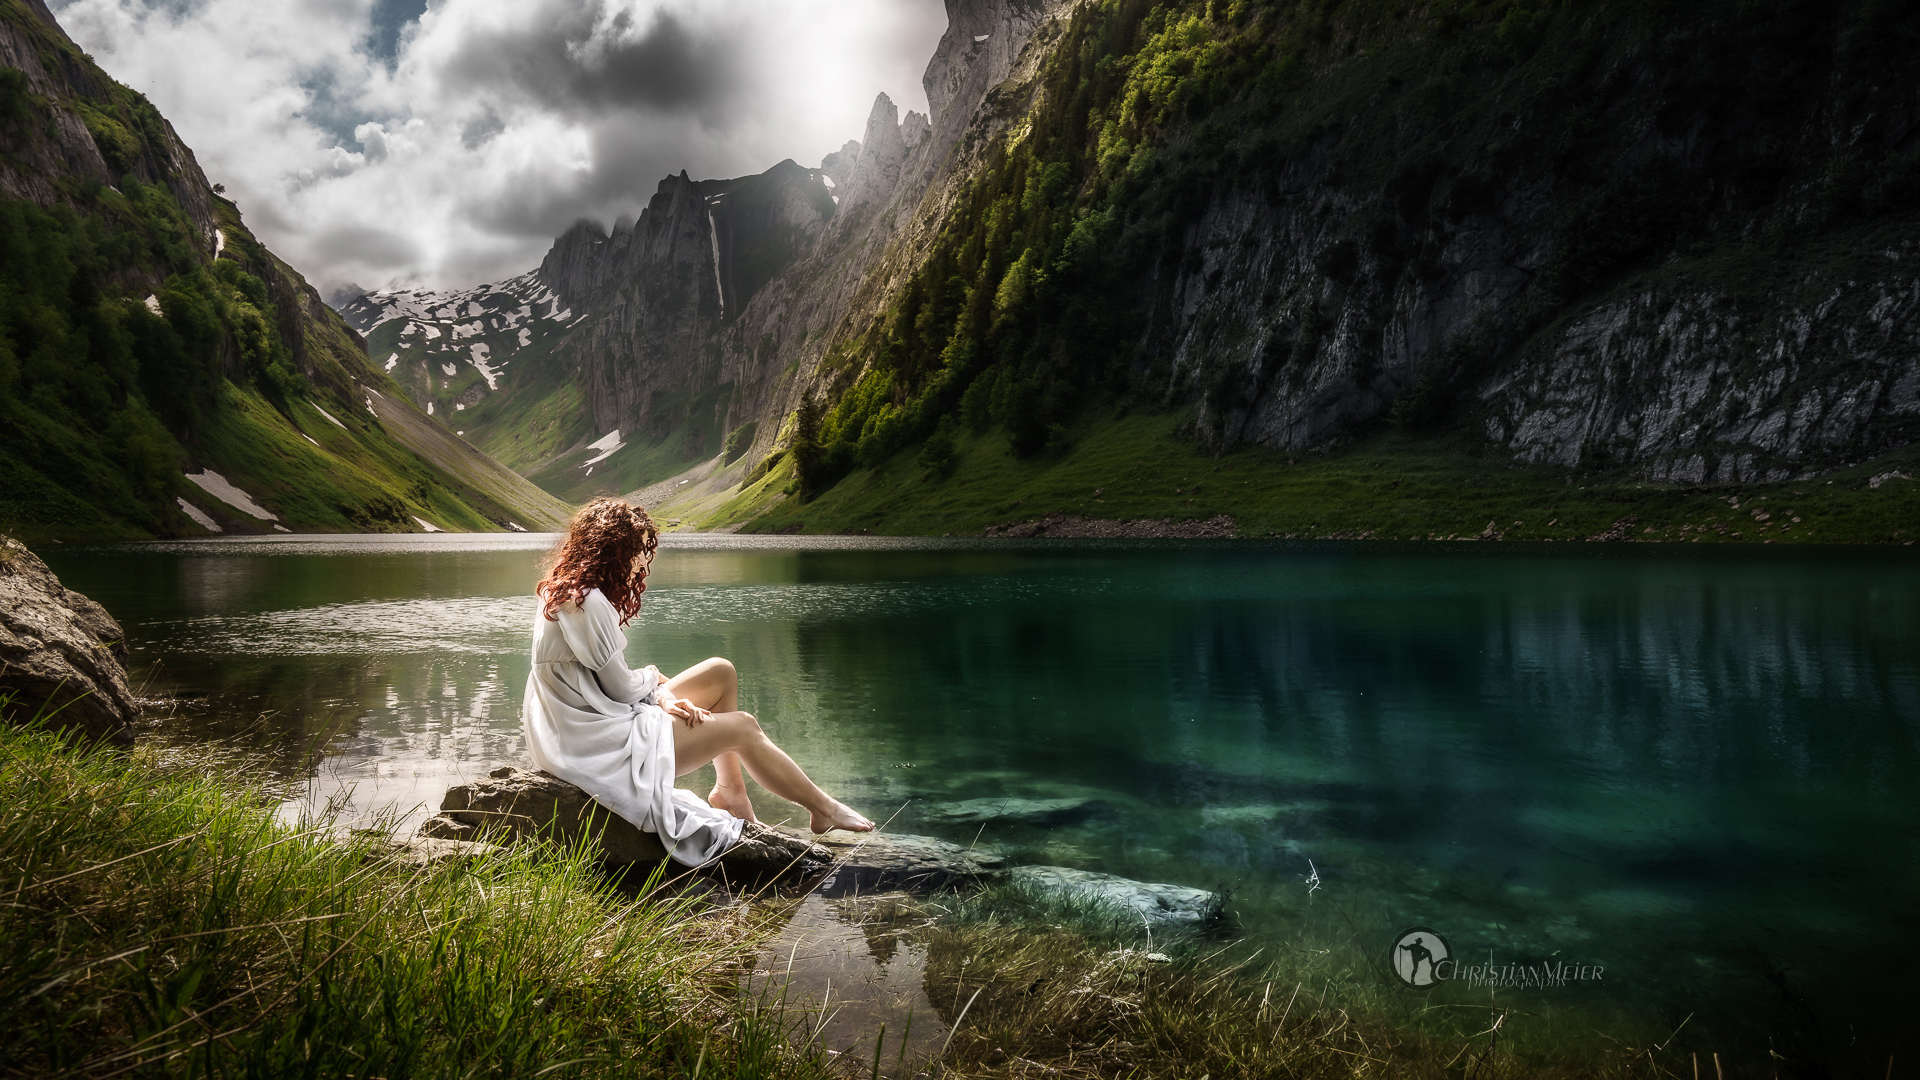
(710, 313)
(161, 372)
(1666, 248)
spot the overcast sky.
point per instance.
(446, 143)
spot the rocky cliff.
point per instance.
(715, 309)
(161, 371)
(1677, 244)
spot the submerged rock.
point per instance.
(513, 804)
(61, 655)
(882, 862)
(1156, 902)
(1024, 811)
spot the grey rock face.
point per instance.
(982, 44)
(1700, 388)
(1156, 903)
(61, 654)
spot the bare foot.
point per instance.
(838, 816)
(734, 801)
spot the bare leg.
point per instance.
(740, 733)
(714, 685)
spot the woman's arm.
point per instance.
(681, 708)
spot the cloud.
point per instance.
(446, 143)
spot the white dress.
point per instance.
(594, 723)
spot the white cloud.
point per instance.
(495, 123)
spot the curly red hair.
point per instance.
(608, 547)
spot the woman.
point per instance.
(610, 730)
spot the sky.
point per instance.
(445, 143)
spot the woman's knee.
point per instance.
(741, 727)
(722, 666)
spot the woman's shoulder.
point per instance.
(592, 604)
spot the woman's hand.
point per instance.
(685, 711)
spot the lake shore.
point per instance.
(165, 921)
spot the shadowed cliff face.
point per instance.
(714, 308)
(1657, 264)
(1679, 242)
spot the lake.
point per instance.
(1693, 771)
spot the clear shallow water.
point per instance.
(1698, 771)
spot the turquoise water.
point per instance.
(1696, 772)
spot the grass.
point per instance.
(1386, 486)
(159, 920)
(1065, 986)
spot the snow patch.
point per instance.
(308, 437)
(429, 408)
(328, 415)
(457, 407)
(978, 38)
(153, 303)
(198, 515)
(515, 526)
(392, 360)
(425, 524)
(479, 361)
(450, 370)
(277, 527)
(475, 309)
(431, 331)
(526, 337)
(608, 445)
(219, 241)
(220, 488)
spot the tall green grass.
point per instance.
(157, 918)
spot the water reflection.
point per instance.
(1695, 769)
(844, 968)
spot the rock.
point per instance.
(766, 854)
(1024, 811)
(424, 851)
(61, 654)
(442, 827)
(1159, 903)
(513, 803)
(878, 862)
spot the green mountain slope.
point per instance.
(148, 339)
(1316, 222)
